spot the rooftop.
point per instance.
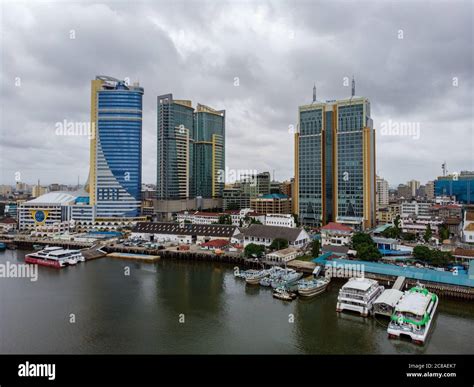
(362, 284)
(413, 302)
(185, 229)
(272, 232)
(333, 226)
(389, 297)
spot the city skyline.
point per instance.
(202, 63)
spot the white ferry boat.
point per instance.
(413, 314)
(55, 257)
(358, 295)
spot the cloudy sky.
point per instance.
(257, 60)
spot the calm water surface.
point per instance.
(140, 313)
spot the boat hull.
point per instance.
(313, 291)
(43, 262)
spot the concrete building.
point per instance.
(415, 208)
(336, 234)
(271, 204)
(468, 226)
(414, 185)
(460, 186)
(335, 163)
(430, 190)
(282, 256)
(282, 220)
(404, 191)
(381, 192)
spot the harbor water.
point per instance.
(112, 306)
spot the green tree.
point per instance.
(279, 244)
(391, 232)
(408, 236)
(428, 234)
(422, 253)
(315, 248)
(254, 221)
(443, 232)
(360, 238)
(367, 252)
(254, 251)
(225, 219)
(233, 206)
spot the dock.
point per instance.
(399, 282)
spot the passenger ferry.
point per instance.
(312, 287)
(55, 257)
(413, 314)
(358, 295)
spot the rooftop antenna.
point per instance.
(444, 167)
(314, 93)
(353, 86)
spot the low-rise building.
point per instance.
(182, 232)
(283, 220)
(265, 235)
(336, 234)
(282, 256)
(8, 225)
(415, 208)
(468, 226)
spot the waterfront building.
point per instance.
(271, 204)
(191, 150)
(282, 256)
(114, 183)
(460, 186)
(265, 235)
(336, 234)
(182, 233)
(381, 192)
(335, 163)
(8, 225)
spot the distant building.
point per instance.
(460, 186)
(271, 204)
(191, 150)
(38, 190)
(8, 225)
(430, 190)
(415, 208)
(404, 191)
(235, 198)
(414, 185)
(287, 188)
(381, 192)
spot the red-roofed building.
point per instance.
(336, 234)
(215, 244)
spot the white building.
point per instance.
(468, 226)
(382, 196)
(415, 208)
(182, 233)
(264, 235)
(336, 234)
(282, 220)
(282, 256)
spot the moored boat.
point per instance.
(413, 315)
(282, 294)
(56, 257)
(312, 287)
(255, 279)
(3, 246)
(358, 295)
(289, 278)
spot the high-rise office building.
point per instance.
(114, 183)
(414, 186)
(191, 150)
(335, 163)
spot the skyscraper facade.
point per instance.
(382, 192)
(116, 148)
(335, 163)
(190, 148)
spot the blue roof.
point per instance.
(274, 196)
(462, 278)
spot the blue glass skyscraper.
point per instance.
(116, 149)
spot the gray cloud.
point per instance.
(196, 49)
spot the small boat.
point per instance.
(282, 294)
(413, 314)
(3, 246)
(246, 273)
(290, 277)
(37, 247)
(313, 286)
(275, 273)
(255, 279)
